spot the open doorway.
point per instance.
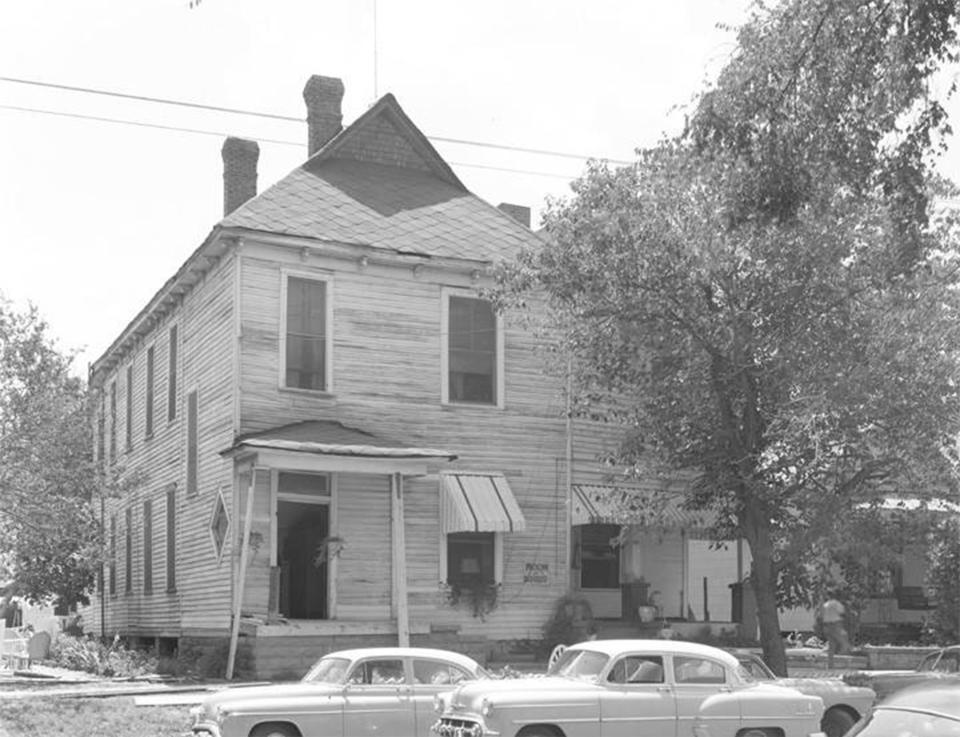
(301, 529)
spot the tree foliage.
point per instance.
(47, 477)
(766, 300)
(943, 578)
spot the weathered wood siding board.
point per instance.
(363, 568)
(205, 362)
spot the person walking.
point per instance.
(831, 615)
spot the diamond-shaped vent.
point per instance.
(219, 524)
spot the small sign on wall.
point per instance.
(536, 573)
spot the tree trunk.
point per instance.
(763, 578)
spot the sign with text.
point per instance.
(536, 573)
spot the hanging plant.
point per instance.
(327, 549)
(478, 597)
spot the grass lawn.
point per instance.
(115, 716)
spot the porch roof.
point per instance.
(328, 437)
(631, 505)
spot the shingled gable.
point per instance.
(380, 184)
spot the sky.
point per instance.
(96, 215)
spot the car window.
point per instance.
(947, 664)
(752, 669)
(379, 671)
(637, 669)
(580, 664)
(698, 670)
(438, 672)
(929, 662)
(328, 670)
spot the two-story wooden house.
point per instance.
(333, 439)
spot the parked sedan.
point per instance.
(640, 688)
(844, 704)
(384, 690)
(930, 709)
(944, 664)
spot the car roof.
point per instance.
(405, 652)
(939, 696)
(667, 647)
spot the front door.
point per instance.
(301, 531)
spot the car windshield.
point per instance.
(579, 664)
(753, 669)
(904, 723)
(327, 670)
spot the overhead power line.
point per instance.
(220, 134)
(289, 118)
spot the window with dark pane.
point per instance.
(171, 538)
(129, 407)
(470, 558)
(172, 376)
(472, 351)
(599, 557)
(128, 552)
(193, 428)
(113, 555)
(147, 547)
(148, 402)
(306, 334)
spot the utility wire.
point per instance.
(141, 124)
(289, 118)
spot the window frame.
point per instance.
(327, 280)
(192, 442)
(497, 557)
(112, 577)
(171, 539)
(446, 294)
(113, 420)
(173, 355)
(128, 551)
(147, 523)
(149, 390)
(128, 410)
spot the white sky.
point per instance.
(95, 216)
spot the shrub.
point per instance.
(571, 621)
(90, 655)
(208, 659)
(943, 578)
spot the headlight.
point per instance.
(486, 707)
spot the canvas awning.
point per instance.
(475, 502)
(630, 505)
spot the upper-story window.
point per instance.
(129, 408)
(148, 402)
(472, 352)
(113, 420)
(172, 375)
(305, 334)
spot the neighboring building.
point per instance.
(333, 434)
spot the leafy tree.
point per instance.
(943, 577)
(766, 300)
(47, 476)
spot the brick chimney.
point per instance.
(239, 172)
(323, 96)
(518, 212)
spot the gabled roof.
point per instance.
(381, 184)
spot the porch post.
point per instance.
(399, 560)
(241, 574)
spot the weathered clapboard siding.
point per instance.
(387, 344)
(205, 362)
(363, 574)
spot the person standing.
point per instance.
(831, 614)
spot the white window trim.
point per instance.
(497, 558)
(327, 279)
(445, 294)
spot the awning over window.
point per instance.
(474, 502)
(628, 505)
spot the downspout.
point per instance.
(241, 574)
(399, 560)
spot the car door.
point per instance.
(430, 677)
(636, 700)
(378, 700)
(694, 679)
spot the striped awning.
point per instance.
(479, 502)
(628, 505)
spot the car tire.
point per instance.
(274, 730)
(539, 732)
(758, 733)
(837, 722)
